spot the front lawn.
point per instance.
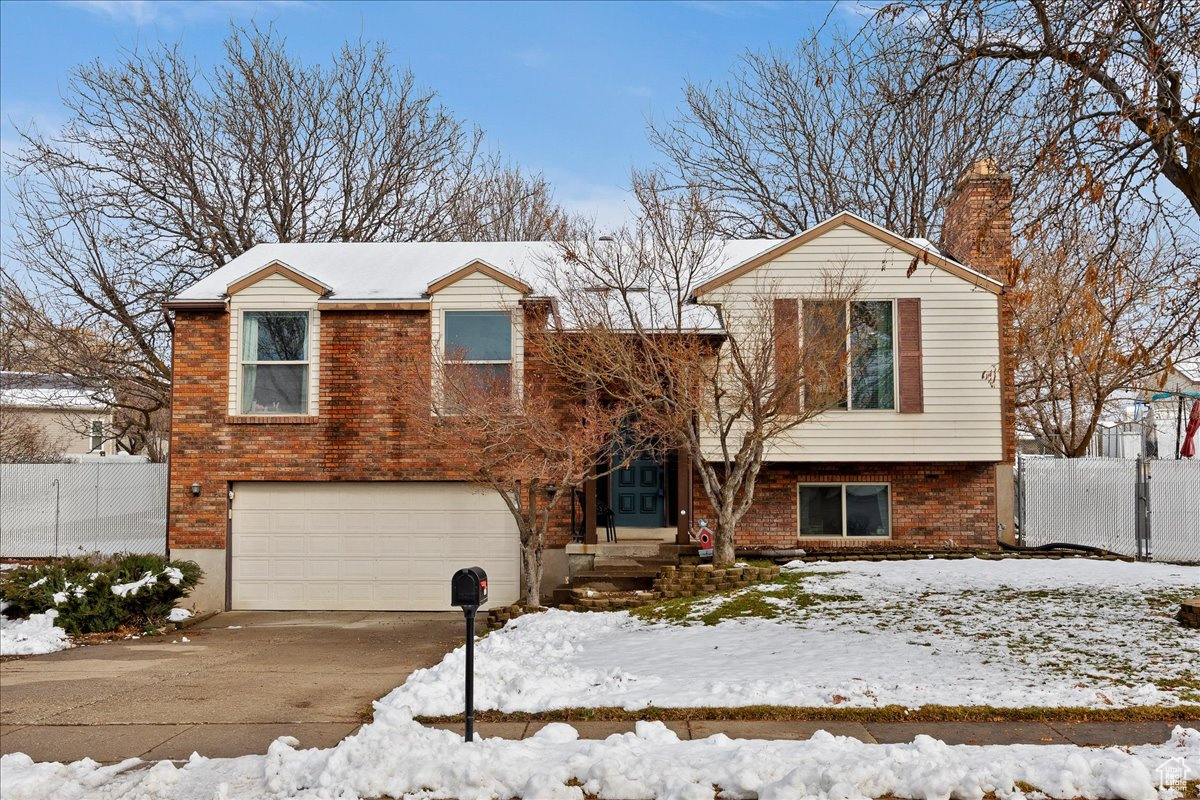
(1017, 633)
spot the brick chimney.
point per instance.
(978, 226)
(978, 232)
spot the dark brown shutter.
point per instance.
(787, 351)
(912, 381)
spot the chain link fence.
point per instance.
(69, 509)
(1126, 506)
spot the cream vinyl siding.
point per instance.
(275, 293)
(367, 546)
(959, 341)
(478, 292)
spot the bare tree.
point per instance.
(533, 441)
(720, 383)
(1112, 82)
(1094, 318)
(795, 137)
(885, 122)
(23, 441)
(165, 171)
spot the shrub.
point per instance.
(97, 594)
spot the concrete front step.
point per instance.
(604, 562)
(662, 535)
(630, 549)
(615, 579)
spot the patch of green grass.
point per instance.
(751, 602)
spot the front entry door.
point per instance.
(637, 494)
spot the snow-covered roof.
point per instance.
(35, 390)
(1189, 368)
(405, 271)
(402, 270)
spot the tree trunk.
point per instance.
(723, 547)
(532, 541)
(531, 575)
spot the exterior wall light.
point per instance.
(195, 490)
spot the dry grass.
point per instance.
(883, 714)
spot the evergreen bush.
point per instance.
(95, 594)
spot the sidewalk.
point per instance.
(109, 743)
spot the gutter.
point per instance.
(205, 303)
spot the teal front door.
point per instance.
(637, 495)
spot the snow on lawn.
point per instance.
(396, 757)
(33, 636)
(1012, 633)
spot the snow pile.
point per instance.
(172, 574)
(33, 636)
(179, 615)
(913, 633)
(396, 757)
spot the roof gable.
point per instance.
(926, 255)
(483, 268)
(283, 270)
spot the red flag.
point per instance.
(1189, 438)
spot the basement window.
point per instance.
(845, 510)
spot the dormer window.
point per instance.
(478, 350)
(274, 365)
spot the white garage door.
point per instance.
(367, 546)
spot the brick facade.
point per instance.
(934, 505)
(368, 356)
(360, 432)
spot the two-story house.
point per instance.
(296, 484)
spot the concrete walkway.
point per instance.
(1090, 734)
(109, 743)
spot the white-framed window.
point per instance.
(274, 362)
(870, 345)
(858, 510)
(477, 350)
(96, 435)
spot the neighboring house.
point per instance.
(1150, 423)
(295, 485)
(75, 420)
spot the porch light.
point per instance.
(195, 490)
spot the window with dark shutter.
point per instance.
(912, 382)
(825, 354)
(787, 352)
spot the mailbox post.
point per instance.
(468, 591)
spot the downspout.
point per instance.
(170, 430)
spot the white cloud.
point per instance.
(733, 8)
(532, 57)
(638, 91)
(170, 13)
(608, 204)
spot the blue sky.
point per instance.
(565, 88)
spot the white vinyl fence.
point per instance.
(1175, 510)
(69, 509)
(1127, 506)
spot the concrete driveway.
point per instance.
(241, 680)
